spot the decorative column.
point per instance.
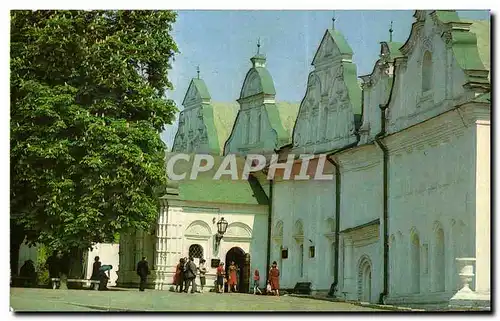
(160, 249)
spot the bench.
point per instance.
(302, 288)
(23, 281)
(58, 280)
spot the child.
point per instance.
(256, 279)
(268, 289)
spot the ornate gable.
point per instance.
(332, 102)
(441, 67)
(259, 127)
(332, 45)
(197, 93)
(196, 131)
(377, 88)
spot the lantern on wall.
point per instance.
(221, 229)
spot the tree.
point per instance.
(87, 110)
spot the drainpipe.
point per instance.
(385, 151)
(269, 226)
(333, 287)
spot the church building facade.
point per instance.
(406, 218)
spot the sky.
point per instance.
(222, 42)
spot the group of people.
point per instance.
(186, 272)
(185, 275)
(100, 273)
(230, 278)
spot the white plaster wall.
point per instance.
(108, 254)
(362, 186)
(429, 185)
(26, 253)
(181, 217)
(483, 219)
(313, 202)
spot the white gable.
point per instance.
(326, 119)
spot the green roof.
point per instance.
(206, 189)
(470, 48)
(394, 49)
(266, 81)
(340, 41)
(282, 116)
(220, 191)
(224, 118)
(201, 87)
(288, 115)
(353, 88)
(482, 30)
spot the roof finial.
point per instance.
(333, 21)
(258, 45)
(198, 71)
(390, 33)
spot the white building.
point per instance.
(407, 215)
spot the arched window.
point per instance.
(439, 262)
(415, 262)
(427, 72)
(259, 125)
(196, 251)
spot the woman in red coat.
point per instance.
(232, 278)
(274, 278)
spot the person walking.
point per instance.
(220, 277)
(256, 281)
(143, 272)
(191, 276)
(232, 280)
(274, 278)
(203, 270)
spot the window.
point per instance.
(427, 72)
(259, 121)
(196, 251)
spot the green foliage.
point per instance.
(87, 110)
(42, 272)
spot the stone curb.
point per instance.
(363, 304)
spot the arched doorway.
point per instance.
(364, 280)
(242, 260)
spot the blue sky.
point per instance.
(222, 42)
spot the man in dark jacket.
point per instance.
(191, 275)
(95, 270)
(143, 272)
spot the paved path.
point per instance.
(132, 300)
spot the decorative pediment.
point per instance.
(198, 229)
(238, 230)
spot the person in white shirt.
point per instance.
(202, 270)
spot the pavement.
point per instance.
(48, 300)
